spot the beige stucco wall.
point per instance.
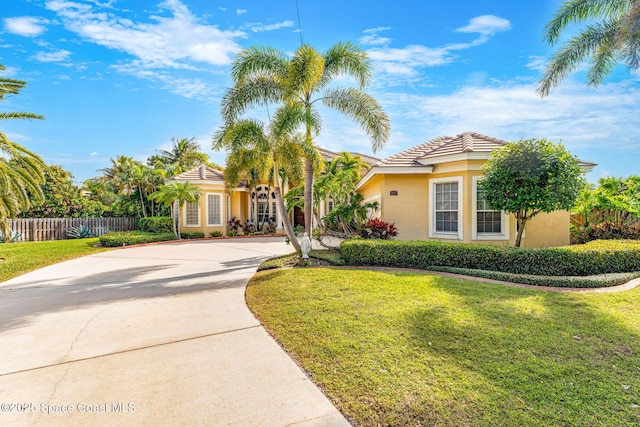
(547, 230)
(409, 210)
(203, 227)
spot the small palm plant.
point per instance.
(175, 195)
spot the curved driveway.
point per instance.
(148, 336)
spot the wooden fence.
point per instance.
(37, 229)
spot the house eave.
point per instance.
(394, 170)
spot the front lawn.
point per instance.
(22, 257)
(410, 349)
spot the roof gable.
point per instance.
(467, 142)
(200, 173)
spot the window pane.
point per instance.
(446, 207)
(214, 215)
(191, 213)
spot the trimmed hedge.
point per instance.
(191, 235)
(565, 261)
(600, 281)
(126, 238)
(156, 224)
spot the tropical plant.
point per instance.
(252, 148)
(299, 83)
(375, 228)
(21, 171)
(234, 225)
(350, 218)
(175, 195)
(183, 155)
(81, 232)
(611, 35)
(531, 176)
(14, 236)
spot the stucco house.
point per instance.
(429, 191)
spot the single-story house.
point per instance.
(429, 191)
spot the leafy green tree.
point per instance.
(175, 195)
(255, 152)
(21, 171)
(611, 35)
(300, 83)
(62, 198)
(531, 176)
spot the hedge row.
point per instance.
(127, 238)
(542, 262)
(600, 281)
(156, 224)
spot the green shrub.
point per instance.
(598, 281)
(216, 234)
(605, 231)
(126, 238)
(565, 261)
(156, 224)
(192, 235)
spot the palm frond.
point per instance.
(575, 11)
(260, 60)
(250, 92)
(347, 58)
(364, 110)
(596, 39)
(305, 71)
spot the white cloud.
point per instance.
(403, 60)
(258, 27)
(170, 42)
(27, 26)
(372, 38)
(537, 63)
(583, 119)
(57, 56)
(241, 11)
(486, 25)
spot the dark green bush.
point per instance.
(565, 261)
(156, 224)
(605, 231)
(126, 238)
(191, 235)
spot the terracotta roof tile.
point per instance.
(444, 145)
(200, 173)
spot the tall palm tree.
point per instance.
(175, 195)
(300, 83)
(612, 35)
(252, 150)
(21, 171)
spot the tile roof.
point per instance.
(200, 173)
(330, 155)
(466, 142)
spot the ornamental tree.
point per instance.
(531, 176)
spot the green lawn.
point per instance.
(410, 349)
(20, 258)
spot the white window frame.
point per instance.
(184, 214)
(220, 196)
(432, 208)
(504, 225)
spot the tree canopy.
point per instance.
(531, 176)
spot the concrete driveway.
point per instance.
(149, 336)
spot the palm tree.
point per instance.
(252, 150)
(265, 75)
(176, 193)
(611, 36)
(21, 171)
(184, 154)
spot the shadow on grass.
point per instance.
(542, 358)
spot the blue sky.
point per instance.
(125, 76)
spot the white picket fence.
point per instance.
(38, 229)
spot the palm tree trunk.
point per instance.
(291, 234)
(308, 197)
(173, 220)
(144, 209)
